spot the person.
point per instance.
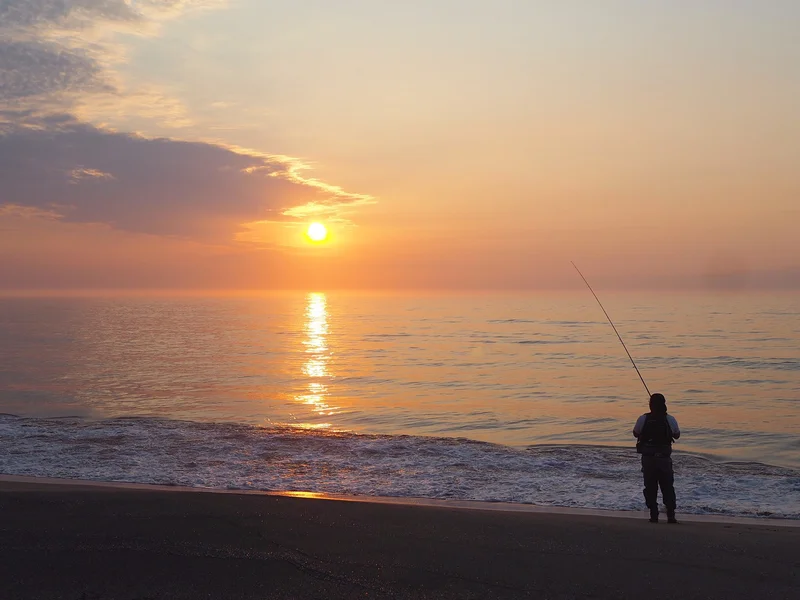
(655, 431)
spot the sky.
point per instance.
(188, 144)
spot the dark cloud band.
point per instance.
(131, 183)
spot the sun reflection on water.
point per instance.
(316, 365)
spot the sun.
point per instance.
(317, 232)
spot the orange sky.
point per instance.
(189, 143)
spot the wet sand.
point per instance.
(81, 541)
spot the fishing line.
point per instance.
(612, 325)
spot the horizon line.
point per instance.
(166, 291)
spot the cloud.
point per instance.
(132, 183)
(34, 68)
(29, 13)
(334, 201)
(27, 212)
(137, 108)
(83, 173)
(76, 14)
(42, 64)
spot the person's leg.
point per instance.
(666, 481)
(650, 474)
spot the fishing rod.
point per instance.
(612, 325)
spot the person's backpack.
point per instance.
(656, 435)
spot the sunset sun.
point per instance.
(317, 232)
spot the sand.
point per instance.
(79, 541)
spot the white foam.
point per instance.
(241, 457)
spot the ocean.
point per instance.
(514, 397)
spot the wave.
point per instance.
(279, 458)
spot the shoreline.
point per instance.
(68, 539)
(44, 483)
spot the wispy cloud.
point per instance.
(68, 13)
(334, 201)
(338, 200)
(28, 212)
(31, 68)
(81, 173)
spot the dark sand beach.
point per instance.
(86, 542)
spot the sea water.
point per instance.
(495, 397)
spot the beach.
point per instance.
(523, 398)
(79, 540)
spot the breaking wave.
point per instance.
(237, 456)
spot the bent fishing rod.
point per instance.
(613, 326)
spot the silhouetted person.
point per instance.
(655, 432)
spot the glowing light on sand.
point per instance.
(300, 494)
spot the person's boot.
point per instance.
(671, 516)
(654, 515)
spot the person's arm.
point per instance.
(673, 425)
(637, 429)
